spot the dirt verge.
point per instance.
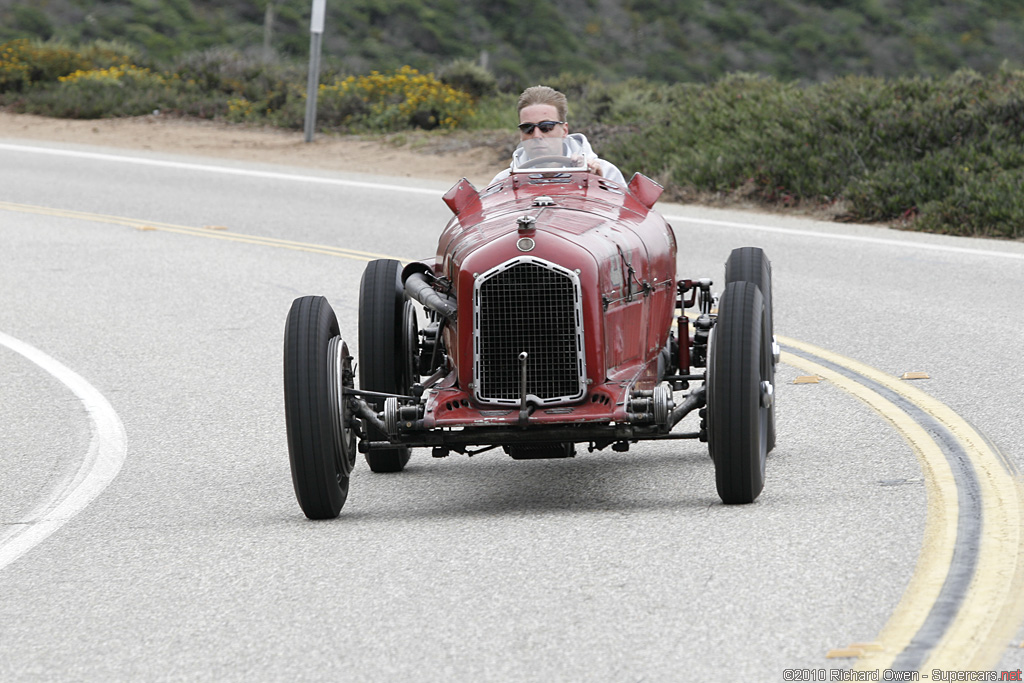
(445, 158)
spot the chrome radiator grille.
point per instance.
(528, 304)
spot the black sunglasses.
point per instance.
(545, 126)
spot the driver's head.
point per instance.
(542, 113)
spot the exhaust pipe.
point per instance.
(417, 287)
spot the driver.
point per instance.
(543, 114)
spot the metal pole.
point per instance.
(312, 85)
(316, 31)
(268, 31)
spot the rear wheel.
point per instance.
(739, 393)
(750, 264)
(321, 442)
(384, 329)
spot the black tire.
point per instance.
(750, 264)
(382, 365)
(321, 442)
(739, 361)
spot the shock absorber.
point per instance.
(684, 345)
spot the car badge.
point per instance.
(525, 244)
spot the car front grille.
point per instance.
(528, 304)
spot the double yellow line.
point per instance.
(983, 613)
(210, 232)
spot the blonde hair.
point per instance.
(542, 94)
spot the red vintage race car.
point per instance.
(550, 317)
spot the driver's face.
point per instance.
(535, 113)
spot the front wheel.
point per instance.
(739, 393)
(321, 441)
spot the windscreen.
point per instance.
(548, 154)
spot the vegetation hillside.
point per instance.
(527, 40)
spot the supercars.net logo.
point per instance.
(893, 675)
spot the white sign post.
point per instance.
(316, 32)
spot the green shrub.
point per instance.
(30, 20)
(469, 77)
(246, 86)
(102, 54)
(124, 90)
(980, 204)
(497, 112)
(126, 93)
(236, 73)
(945, 155)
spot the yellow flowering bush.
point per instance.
(113, 75)
(14, 72)
(23, 63)
(241, 109)
(392, 101)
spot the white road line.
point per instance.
(102, 462)
(905, 244)
(209, 168)
(292, 177)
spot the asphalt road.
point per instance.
(156, 287)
